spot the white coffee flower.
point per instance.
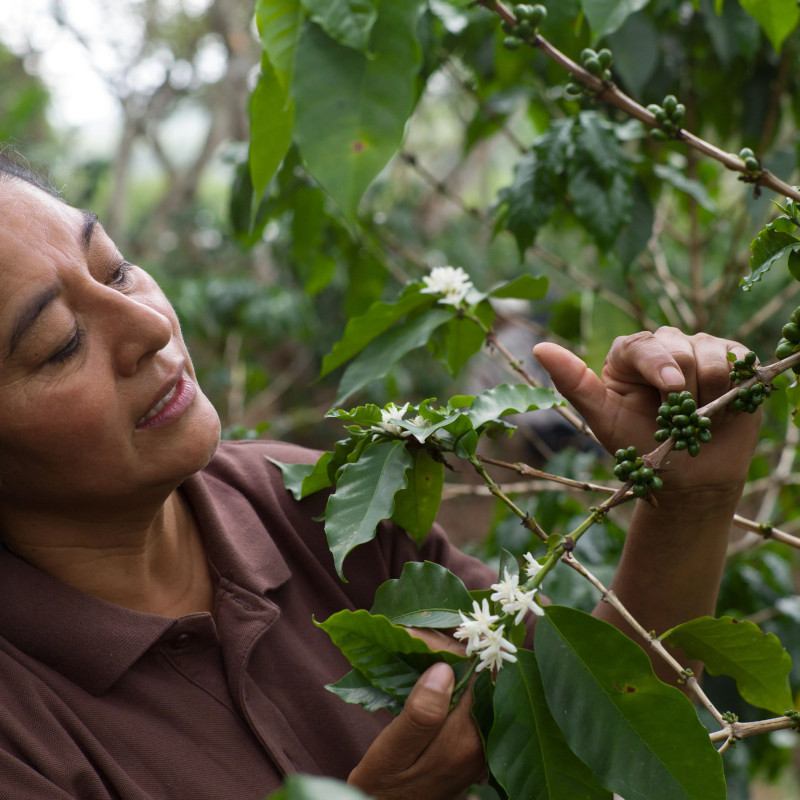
(450, 282)
(387, 426)
(475, 627)
(494, 649)
(532, 566)
(513, 600)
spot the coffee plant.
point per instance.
(611, 110)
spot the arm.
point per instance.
(673, 558)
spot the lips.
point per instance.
(158, 406)
(176, 396)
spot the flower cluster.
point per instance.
(481, 630)
(485, 637)
(450, 282)
(391, 412)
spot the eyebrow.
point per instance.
(31, 312)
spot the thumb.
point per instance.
(572, 378)
(400, 744)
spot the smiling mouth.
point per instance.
(159, 405)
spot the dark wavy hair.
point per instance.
(14, 166)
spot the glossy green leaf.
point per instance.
(364, 496)
(375, 360)
(508, 399)
(756, 660)
(349, 22)
(640, 737)
(602, 204)
(386, 654)
(527, 753)
(777, 18)
(379, 317)
(356, 689)
(525, 287)
(768, 247)
(459, 340)
(309, 787)
(352, 108)
(279, 23)
(606, 16)
(304, 479)
(416, 506)
(271, 126)
(636, 48)
(426, 595)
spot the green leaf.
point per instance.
(606, 16)
(304, 479)
(769, 246)
(279, 24)
(352, 108)
(355, 688)
(308, 787)
(636, 47)
(777, 18)
(693, 188)
(349, 22)
(794, 264)
(754, 659)
(364, 496)
(640, 737)
(508, 399)
(379, 317)
(416, 506)
(533, 195)
(525, 287)
(426, 595)
(387, 655)
(461, 338)
(382, 353)
(271, 126)
(527, 752)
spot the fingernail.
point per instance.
(439, 677)
(671, 377)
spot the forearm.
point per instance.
(673, 560)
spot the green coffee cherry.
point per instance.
(605, 57)
(743, 368)
(631, 467)
(749, 398)
(680, 421)
(669, 115)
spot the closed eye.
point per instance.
(121, 277)
(71, 349)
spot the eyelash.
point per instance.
(120, 279)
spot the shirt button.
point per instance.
(182, 640)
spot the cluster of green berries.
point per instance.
(669, 115)
(743, 368)
(749, 398)
(679, 419)
(751, 163)
(529, 18)
(790, 339)
(630, 467)
(595, 62)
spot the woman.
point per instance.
(156, 639)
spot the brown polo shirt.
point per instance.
(100, 702)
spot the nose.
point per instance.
(138, 329)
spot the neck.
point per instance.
(152, 562)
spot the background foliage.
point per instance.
(465, 153)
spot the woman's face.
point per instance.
(98, 399)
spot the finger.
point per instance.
(424, 713)
(572, 378)
(657, 360)
(712, 367)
